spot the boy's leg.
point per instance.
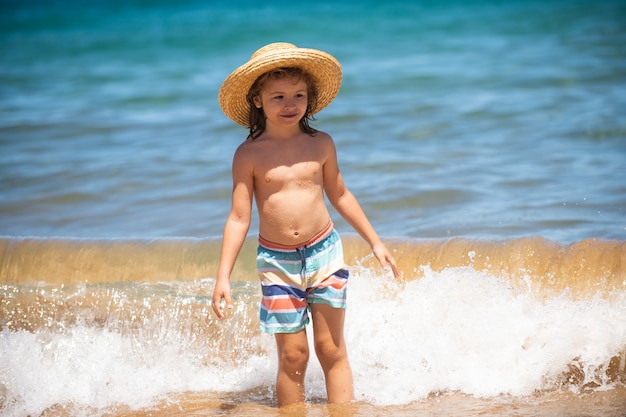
(331, 351)
(293, 357)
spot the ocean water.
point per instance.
(486, 141)
(481, 118)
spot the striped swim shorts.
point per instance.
(292, 277)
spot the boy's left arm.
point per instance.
(349, 208)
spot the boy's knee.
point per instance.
(329, 352)
(296, 356)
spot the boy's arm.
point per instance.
(235, 230)
(349, 208)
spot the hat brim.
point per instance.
(323, 67)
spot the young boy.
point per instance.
(287, 166)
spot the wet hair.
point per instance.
(257, 116)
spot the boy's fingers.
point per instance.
(229, 301)
(394, 268)
(391, 263)
(387, 262)
(217, 308)
(217, 304)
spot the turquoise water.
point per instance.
(483, 118)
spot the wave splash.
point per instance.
(453, 324)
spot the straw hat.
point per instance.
(324, 68)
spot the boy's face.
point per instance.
(284, 101)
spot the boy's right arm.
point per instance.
(235, 230)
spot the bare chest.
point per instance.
(293, 164)
(303, 174)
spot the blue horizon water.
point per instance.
(483, 119)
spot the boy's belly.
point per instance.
(293, 218)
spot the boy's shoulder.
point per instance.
(251, 150)
(323, 135)
(248, 146)
(324, 139)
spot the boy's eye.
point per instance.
(282, 97)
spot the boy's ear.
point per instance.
(257, 102)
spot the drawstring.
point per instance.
(302, 252)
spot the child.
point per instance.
(288, 166)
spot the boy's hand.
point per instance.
(386, 259)
(221, 291)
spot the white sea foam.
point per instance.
(96, 368)
(455, 330)
(463, 330)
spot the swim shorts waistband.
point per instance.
(323, 234)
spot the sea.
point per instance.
(484, 139)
